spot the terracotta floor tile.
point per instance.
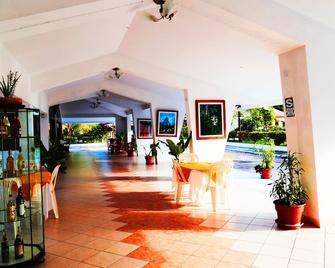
(100, 244)
(61, 248)
(61, 235)
(81, 239)
(127, 262)
(62, 262)
(103, 259)
(112, 225)
(80, 254)
(122, 248)
(117, 235)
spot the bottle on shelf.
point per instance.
(18, 245)
(16, 127)
(4, 248)
(10, 170)
(7, 126)
(2, 128)
(20, 163)
(10, 209)
(20, 209)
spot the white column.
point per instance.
(299, 131)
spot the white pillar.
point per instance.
(299, 131)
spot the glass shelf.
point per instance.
(3, 216)
(21, 141)
(25, 173)
(29, 251)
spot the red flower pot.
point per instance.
(289, 217)
(131, 152)
(266, 173)
(150, 160)
(11, 102)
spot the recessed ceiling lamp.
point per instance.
(167, 10)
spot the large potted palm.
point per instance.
(289, 194)
(7, 88)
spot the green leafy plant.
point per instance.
(56, 155)
(268, 158)
(153, 149)
(177, 149)
(7, 86)
(287, 189)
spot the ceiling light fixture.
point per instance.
(167, 10)
(103, 93)
(117, 73)
(95, 104)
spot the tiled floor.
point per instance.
(117, 212)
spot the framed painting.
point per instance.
(210, 119)
(167, 123)
(144, 128)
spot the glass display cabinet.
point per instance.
(21, 205)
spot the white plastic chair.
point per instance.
(189, 157)
(179, 179)
(223, 170)
(49, 195)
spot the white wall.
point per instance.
(23, 89)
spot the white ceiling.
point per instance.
(65, 43)
(11, 9)
(322, 11)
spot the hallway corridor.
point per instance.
(116, 212)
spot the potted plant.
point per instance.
(267, 163)
(288, 193)
(132, 146)
(151, 157)
(177, 149)
(7, 88)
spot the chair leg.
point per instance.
(54, 203)
(179, 191)
(213, 192)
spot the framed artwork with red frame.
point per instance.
(144, 128)
(210, 119)
(167, 123)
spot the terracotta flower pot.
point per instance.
(289, 217)
(11, 102)
(150, 160)
(131, 153)
(266, 173)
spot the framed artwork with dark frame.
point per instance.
(144, 128)
(167, 123)
(210, 119)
